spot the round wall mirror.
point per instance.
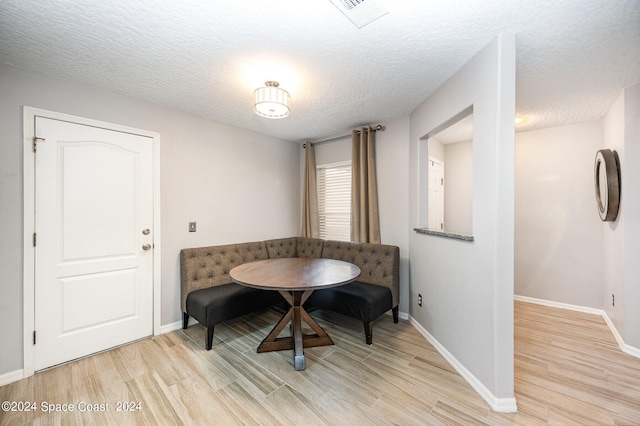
(607, 184)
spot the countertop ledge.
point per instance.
(444, 234)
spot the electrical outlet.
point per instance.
(192, 227)
(419, 300)
(613, 299)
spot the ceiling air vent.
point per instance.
(361, 12)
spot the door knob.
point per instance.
(146, 247)
(146, 231)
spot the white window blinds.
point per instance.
(334, 200)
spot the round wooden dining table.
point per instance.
(295, 279)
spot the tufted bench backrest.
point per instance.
(309, 247)
(204, 267)
(294, 247)
(379, 263)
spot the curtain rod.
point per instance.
(379, 127)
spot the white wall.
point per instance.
(558, 234)
(238, 185)
(458, 187)
(613, 232)
(467, 287)
(564, 252)
(392, 168)
(631, 191)
(458, 183)
(621, 242)
(392, 162)
(334, 151)
(435, 148)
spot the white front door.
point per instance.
(93, 240)
(435, 218)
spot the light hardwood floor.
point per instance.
(567, 365)
(570, 370)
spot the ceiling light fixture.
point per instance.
(271, 101)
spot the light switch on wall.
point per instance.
(192, 227)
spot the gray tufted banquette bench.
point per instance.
(210, 296)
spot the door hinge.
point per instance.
(441, 181)
(35, 143)
(34, 337)
(442, 226)
(34, 239)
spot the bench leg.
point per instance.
(394, 311)
(185, 320)
(368, 332)
(209, 337)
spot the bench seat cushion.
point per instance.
(359, 300)
(214, 305)
(379, 263)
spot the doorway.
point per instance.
(92, 237)
(435, 215)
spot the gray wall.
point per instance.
(558, 234)
(392, 167)
(631, 181)
(564, 252)
(467, 287)
(238, 185)
(458, 187)
(621, 242)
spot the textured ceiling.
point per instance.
(207, 56)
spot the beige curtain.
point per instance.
(365, 222)
(310, 226)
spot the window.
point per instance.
(446, 177)
(334, 200)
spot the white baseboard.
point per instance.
(168, 328)
(500, 405)
(12, 376)
(628, 349)
(560, 305)
(401, 315)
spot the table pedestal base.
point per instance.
(297, 341)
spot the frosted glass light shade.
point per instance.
(271, 101)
